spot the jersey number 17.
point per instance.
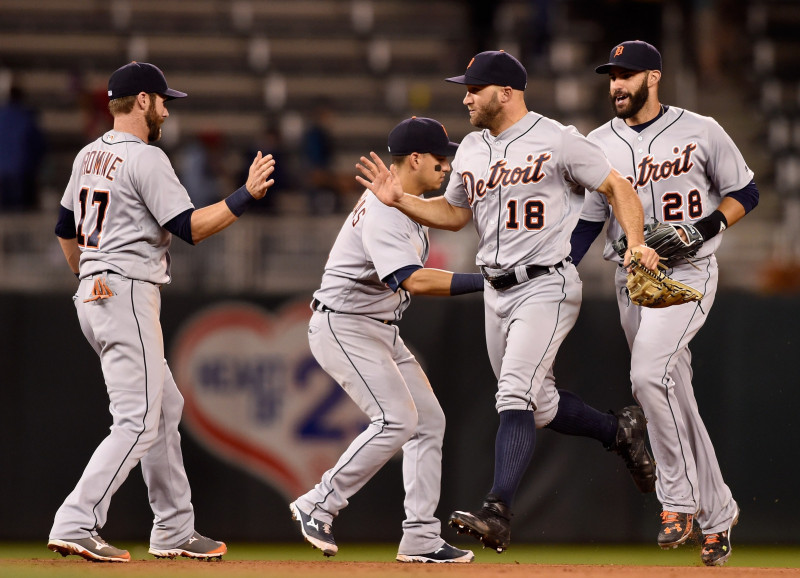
(99, 198)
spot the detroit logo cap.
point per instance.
(136, 77)
(632, 55)
(494, 67)
(421, 135)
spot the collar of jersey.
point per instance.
(516, 129)
(119, 137)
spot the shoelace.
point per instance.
(669, 517)
(711, 539)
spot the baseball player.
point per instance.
(522, 178)
(376, 264)
(686, 169)
(119, 211)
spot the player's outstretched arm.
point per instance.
(439, 283)
(628, 210)
(385, 184)
(214, 218)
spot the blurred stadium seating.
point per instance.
(244, 62)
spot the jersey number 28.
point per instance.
(673, 206)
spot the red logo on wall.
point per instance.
(256, 397)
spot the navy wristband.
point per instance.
(711, 225)
(239, 201)
(466, 283)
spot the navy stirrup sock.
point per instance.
(513, 450)
(578, 419)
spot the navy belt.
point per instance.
(318, 305)
(509, 279)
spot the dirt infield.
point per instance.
(335, 569)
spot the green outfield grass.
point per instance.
(744, 555)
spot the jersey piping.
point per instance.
(144, 416)
(369, 389)
(500, 188)
(649, 150)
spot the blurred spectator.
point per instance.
(481, 25)
(97, 119)
(625, 19)
(270, 142)
(198, 166)
(324, 187)
(541, 14)
(23, 149)
(704, 20)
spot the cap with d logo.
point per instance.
(136, 77)
(632, 55)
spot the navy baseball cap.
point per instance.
(421, 135)
(494, 67)
(136, 77)
(632, 55)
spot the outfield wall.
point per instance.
(55, 413)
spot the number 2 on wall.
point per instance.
(99, 198)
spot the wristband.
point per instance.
(466, 283)
(239, 201)
(711, 225)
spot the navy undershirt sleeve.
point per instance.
(181, 226)
(748, 196)
(65, 227)
(583, 236)
(396, 279)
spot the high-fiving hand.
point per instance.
(383, 182)
(257, 183)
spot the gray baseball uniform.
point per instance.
(525, 188)
(681, 165)
(353, 338)
(122, 191)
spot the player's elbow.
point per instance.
(453, 227)
(617, 186)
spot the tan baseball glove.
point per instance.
(655, 289)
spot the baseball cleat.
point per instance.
(676, 527)
(94, 549)
(717, 546)
(197, 546)
(317, 533)
(631, 445)
(446, 554)
(491, 524)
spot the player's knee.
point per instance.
(431, 423)
(545, 415)
(132, 430)
(402, 424)
(644, 382)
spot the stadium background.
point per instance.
(253, 68)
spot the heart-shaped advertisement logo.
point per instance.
(256, 397)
